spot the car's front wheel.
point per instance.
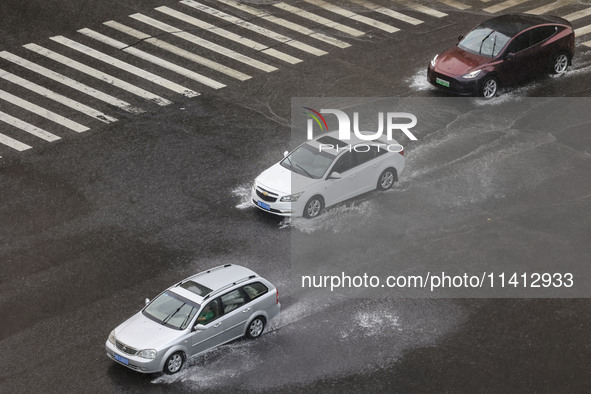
(560, 63)
(313, 207)
(489, 87)
(174, 363)
(387, 179)
(256, 327)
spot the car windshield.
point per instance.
(308, 161)
(484, 41)
(171, 310)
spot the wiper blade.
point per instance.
(303, 169)
(482, 42)
(167, 318)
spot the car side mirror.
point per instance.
(147, 301)
(460, 37)
(285, 153)
(335, 175)
(511, 56)
(199, 327)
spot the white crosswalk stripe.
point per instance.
(12, 143)
(204, 43)
(152, 59)
(252, 27)
(388, 12)
(285, 23)
(352, 15)
(71, 83)
(27, 127)
(319, 19)
(504, 5)
(98, 74)
(47, 114)
(125, 66)
(56, 97)
(582, 31)
(421, 8)
(203, 61)
(455, 4)
(578, 15)
(229, 35)
(550, 7)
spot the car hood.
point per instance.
(141, 332)
(283, 181)
(456, 61)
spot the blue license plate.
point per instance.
(263, 205)
(121, 359)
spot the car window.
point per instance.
(484, 41)
(209, 313)
(255, 290)
(232, 300)
(540, 34)
(373, 152)
(171, 310)
(344, 163)
(519, 43)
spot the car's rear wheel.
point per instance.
(489, 87)
(387, 179)
(256, 327)
(313, 207)
(560, 63)
(174, 363)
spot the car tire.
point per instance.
(313, 207)
(174, 363)
(255, 328)
(559, 63)
(387, 179)
(489, 87)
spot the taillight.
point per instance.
(402, 152)
(277, 290)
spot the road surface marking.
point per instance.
(319, 19)
(388, 12)
(27, 127)
(125, 66)
(204, 43)
(252, 27)
(12, 143)
(47, 114)
(578, 15)
(229, 35)
(56, 97)
(549, 7)
(71, 83)
(351, 15)
(287, 24)
(421, 8)
(504, 5)
(151, 58)
(582, 31)
(587, 43)
(455, 4)
(98, 74)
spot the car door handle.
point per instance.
(246, 310)
(217, 324)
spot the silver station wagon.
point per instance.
(193, 316)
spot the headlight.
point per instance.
(147, 353)
(291, 197)
(112, 337)
(434, 60)
(471, 75)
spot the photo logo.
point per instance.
(392, 123)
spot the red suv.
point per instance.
(504, 51)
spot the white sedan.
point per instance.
(325, 171)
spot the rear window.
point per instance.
(255, 289)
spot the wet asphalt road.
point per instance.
(95, 223)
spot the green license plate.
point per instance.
(442, 82)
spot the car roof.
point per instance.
(219, 277)
(512, 24)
